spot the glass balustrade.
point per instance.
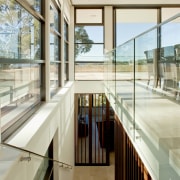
(30, 164)
(146, 87)
(109, 77)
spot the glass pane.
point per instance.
(54, 48)
(66, 71)
(54, 82)
(66, 47)
(156, 98)
(35, 4)
(109, 76)
(125, 85)
(89, 52)
(88, 16)
(89, 34)
(132, 22)
(19, 91)
(169, 59)
(146, 51)
(54, 18)
(146, 54)
(66, 31)
(89, 71)
(32, 165)
(21, 28)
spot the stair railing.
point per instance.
(28, 158)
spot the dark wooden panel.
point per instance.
(128, 165)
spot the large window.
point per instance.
(55, 44)
(20, 65)
(89, 44)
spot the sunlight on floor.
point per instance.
(95, 172)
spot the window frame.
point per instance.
(88, 24)
(66, 50)
(57, 34)
(11, 126)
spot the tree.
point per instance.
(83, 43)
(19, 32)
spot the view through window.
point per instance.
(89, 44)
(20, 64)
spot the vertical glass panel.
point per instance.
(21, 28)
(20, 90)
(55, 52)
(88, 16)
(110, 85)
(131, 22)
(30, 40)
(146, 59)
(54, 83)
(54, 18)
(54, 48)
(66, 70)
(125, 84)
(94, 54)
(66, 51)
(66, 31)
(169, 60)
(27, 163)
(146, 101)
(157, 101)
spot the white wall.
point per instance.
(54, 119)
(89, 87)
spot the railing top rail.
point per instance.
(62, 164)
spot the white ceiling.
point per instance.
(123, 2)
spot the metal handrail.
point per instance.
(62, 164)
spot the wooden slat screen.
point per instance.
(128, 165)
(93, 130)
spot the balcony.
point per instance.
(142, 83)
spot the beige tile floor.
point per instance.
(95, 172)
